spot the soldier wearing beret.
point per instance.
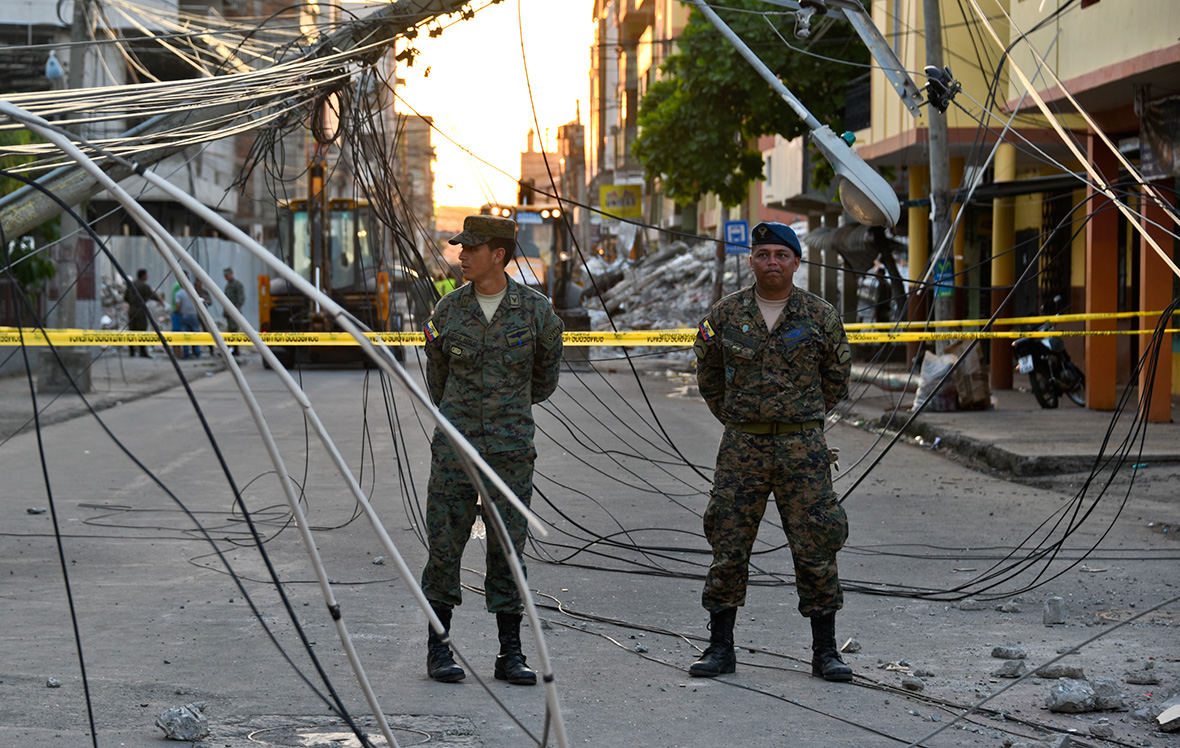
(772, 360)
(493, 349)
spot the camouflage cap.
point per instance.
(776, 233)
(480, 229)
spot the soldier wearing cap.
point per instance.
(493, 349)
(772, 360)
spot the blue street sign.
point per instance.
(737, 237)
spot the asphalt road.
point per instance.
(162, 624)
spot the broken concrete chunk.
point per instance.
(971, 604)
(1102, 731)
(1009, 607)
(1143, 676)
(1054, 611)
(1011, 669)
(1061, 670)
(184, 722)
(53, 683)
(852, 646)
(1009, 652)
(1169, 719)
(911, 683)
(1106, 694)
(1071, 697)
(379, 560)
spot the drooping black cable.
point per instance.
(336, 704)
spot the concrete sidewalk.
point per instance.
(1016, 435)
(115, 378)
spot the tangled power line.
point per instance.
(269, 76)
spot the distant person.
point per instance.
(137, 296)
(186, 307)
(444, 283)
(772, 360)
(176, 351)
(236, 294)
(493, 350)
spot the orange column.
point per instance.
(1155, 293)
(919, 250)
(960, 241)
(1102, 295)
(1003, 265)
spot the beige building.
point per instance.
(1117, 62)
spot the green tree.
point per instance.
(699, 123)
(23, 256)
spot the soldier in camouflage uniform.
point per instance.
(493, 349)
(772, 360)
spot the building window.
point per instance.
(769, 171)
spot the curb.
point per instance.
(980, 453)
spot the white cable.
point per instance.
(379, 354)
(382, 358)
(168, 246)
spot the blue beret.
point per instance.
(776, 233)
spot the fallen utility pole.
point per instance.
(27, 208)
(864, 193)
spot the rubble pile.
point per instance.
(671, 288)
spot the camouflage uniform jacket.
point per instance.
(485, 376)
(792, 374)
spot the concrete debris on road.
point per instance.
(1061, 670)
(852, 646)
(1054, 611)
(379, 560)
(973, 604)
(1009, 652)
(53, 683)
(1076, 696)
(1010, 607)
(1102, 729)
(910, 683)
(1142, 676)
(1011, 669)
(36, 510)
(1070, 696)
(184, 722)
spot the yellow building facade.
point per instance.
(1038, 226)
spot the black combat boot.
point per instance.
(440, 663)
(718, 658)
(825, 659)
(510, 664)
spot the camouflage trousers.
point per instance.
(795, 468)
(450, 513)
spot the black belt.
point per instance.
(774, 427)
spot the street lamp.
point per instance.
(864, 193)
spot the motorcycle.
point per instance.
(1050, 371)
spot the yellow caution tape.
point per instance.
(676, 338)
(1056, 318)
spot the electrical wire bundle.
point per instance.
(622, 440)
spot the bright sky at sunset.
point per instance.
(476, 91)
